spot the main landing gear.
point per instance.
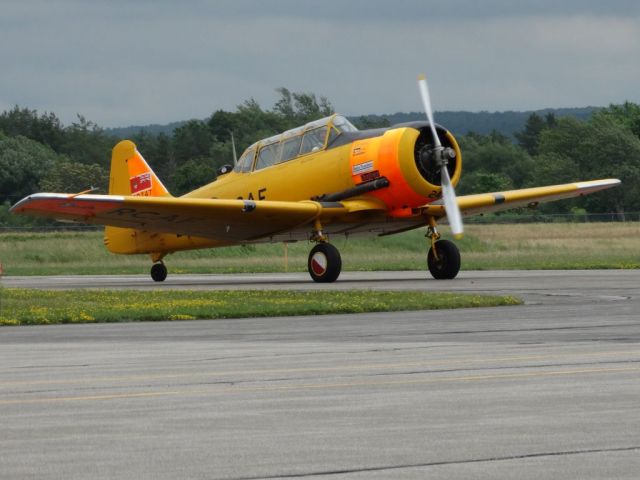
(324, 263)
(443, 258)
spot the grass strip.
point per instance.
(37, 307)
(530, 246)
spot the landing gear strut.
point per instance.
(158, 272)
(324, 263)
(443, 258)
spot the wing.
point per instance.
(497, 201)
(228, 220)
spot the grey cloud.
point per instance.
(415, 10)
(157, 61)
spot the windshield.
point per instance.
(343, 124)
(246, 161)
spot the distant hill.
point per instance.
(459, 123)
(154, 129)
(484, 123)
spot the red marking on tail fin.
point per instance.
(140, 183)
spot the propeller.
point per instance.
(442, 156)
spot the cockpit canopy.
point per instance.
(312, 137)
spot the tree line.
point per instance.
(39, 153)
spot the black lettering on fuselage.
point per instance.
(122, 211)
(250, 196)
(151, 215)
(145, 215)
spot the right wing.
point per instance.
(497, 201)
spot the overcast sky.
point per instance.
(126, 62)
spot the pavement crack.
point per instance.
(537, 329)
(386, 468)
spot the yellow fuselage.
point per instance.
(389, 154)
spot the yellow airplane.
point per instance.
(315, 182)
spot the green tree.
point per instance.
(552, 168)
(366, 122)
(627, 114)
(68, 176)
(298, 108)
(191, 140)
(309, 108)
(223, 123)
(483, 182)
(157, 151)
(494, 154)
(600, 148)
(255, 124)
(284, 106)
(23, 164)
(192, 174)
(46, 128)
(85, 142)
(529, 136)
(164, 161)
(221, 153)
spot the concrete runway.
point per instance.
(550, 389)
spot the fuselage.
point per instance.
(347, 158)
(386, 173)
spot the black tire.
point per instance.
(324, 263)
(158, 272)
(447, 265)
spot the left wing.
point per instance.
(497, 201)
(228, 220)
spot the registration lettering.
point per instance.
(152, 215)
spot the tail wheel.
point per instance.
(444, 263)
(158, 272)
(324, 263)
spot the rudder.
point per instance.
(130, 174)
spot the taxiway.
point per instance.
(549, 389)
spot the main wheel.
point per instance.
(324, 263)
(447, 264)
(158, 272)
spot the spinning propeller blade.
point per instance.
(448, 192)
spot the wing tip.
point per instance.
(20, 205)
(598, 184)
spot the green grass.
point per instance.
(31, 307)
(520, 246)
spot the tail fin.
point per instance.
(131, 174)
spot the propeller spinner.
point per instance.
(442, 156)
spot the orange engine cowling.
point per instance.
(403, 156)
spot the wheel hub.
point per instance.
(319, 263)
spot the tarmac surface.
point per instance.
(550, 389)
